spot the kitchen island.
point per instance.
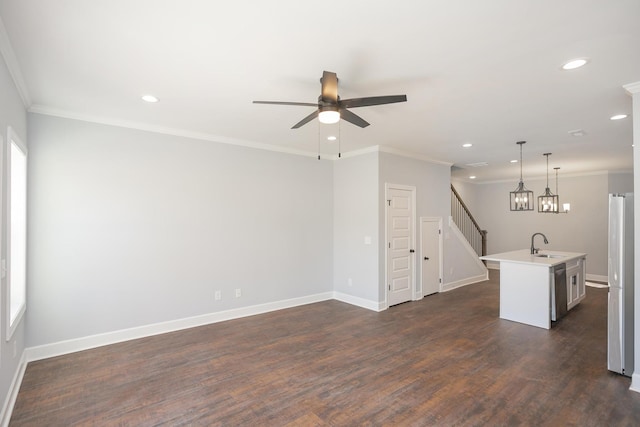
(528, 292)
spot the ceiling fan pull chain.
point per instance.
(318, 140)
(339, 140)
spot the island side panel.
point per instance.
(525, 294)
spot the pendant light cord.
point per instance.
(547, 156)
(520, 143)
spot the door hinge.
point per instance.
(389, 245)
(389, 287)
(440, 280)
(439, 231)
(389, 202)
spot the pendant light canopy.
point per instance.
(548, 202)
(521, 199)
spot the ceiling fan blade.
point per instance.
(303, 104)
(306, 120)
(353, 118)
(329, 87)
(372, 100)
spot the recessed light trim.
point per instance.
(149, 98)
(575, 63)
(618, 117)
(467, 145)
(331, 138)
(513, 161)
(472, 177)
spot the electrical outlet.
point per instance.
(218, 295)
(238, 293)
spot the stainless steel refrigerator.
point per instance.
(620, 316)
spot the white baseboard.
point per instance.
(360, 302)
(597, 278)
(635, 383)
(93, 341)
(464, 282)
(14, 388)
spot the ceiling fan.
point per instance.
(330, 108)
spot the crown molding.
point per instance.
(632, 88)
(411, 155)
(48, 111)
(388, 150)
(542, 177)
(6, 50)
(356, 153)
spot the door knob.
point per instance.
(426, 258)
(411, 250)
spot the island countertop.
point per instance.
(524, 256)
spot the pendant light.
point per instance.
(521, 199)
(548, 202)
(565, 206)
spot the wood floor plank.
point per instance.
(445, 360)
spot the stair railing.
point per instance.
(467, 224)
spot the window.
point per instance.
(16, 231)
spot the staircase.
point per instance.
(467, 224)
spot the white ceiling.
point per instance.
(484, 72)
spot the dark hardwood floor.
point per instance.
(446, 360)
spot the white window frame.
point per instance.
(15, 315)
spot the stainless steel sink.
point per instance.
(549, 256)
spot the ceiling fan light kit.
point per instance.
(329, 116)
(521, 199)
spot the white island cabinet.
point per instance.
(528, 284)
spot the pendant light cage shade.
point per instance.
(548, 202)
(521, 199)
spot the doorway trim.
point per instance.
(423, 219)
(412, 189)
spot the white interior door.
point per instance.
(400, 244)
(430, 245)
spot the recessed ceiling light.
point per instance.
(472, 177)
(574, 63)
(467, 145)
(331, 138)
(618, 117)
(513, 161)
(149, 98)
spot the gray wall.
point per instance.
(12, 113)
(584, 229)
(355, 216)
(433, 197)
(129, 228)
(621, 182)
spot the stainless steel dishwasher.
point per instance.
(560, 291)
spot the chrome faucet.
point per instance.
(535, 250)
